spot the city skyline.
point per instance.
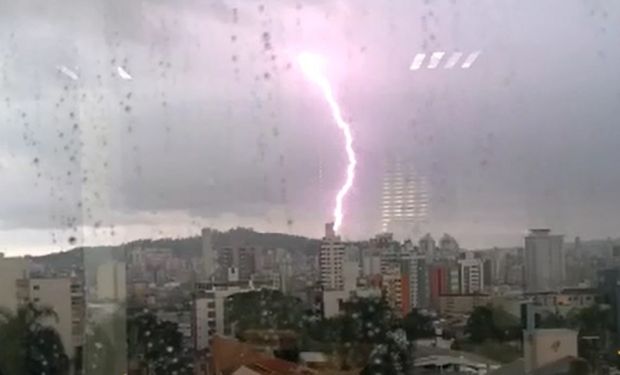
(309, 187)
(418, 240)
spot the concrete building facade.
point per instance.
(65, 296)
(112, 281)
(471, 274)
(11, 270)
(417, 270)
(461, 304)
(331, 258)
(544, 261)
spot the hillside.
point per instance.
(187, 247)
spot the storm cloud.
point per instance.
(214, 124)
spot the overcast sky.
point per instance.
(124, 119)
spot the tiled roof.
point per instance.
(233, 356)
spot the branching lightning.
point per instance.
(312, 66)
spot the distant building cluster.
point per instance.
(193, 288)
(410, 276)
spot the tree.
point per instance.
(264, 309)
(593, 320)
(156, 345)
(105, 345)
(487, 323)
(553, 320)
(370, 318)
(391, 357)
(480, 326)
(367, 332)
(418, 325)
(29, 346)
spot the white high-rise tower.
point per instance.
(404, 200)
(331, 259)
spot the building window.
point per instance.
(35, 287)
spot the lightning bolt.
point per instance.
(313, 67)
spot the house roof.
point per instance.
(277, 366)
(429, 351)
(516, 367)
(231, 356)
(313, 357)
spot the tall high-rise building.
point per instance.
(208, 254)
(416, 269)
(246, 261)
(404, 200)
(66, 297)
(391, 253)
(448, 244)
(544, 261)
(224, 262)
(471, 274)
(371, 265)
(427, 244)
(11, 270)
(331, 259)
(392, 285)
(514, 268)
(203, 320)
(112, 281)
(240, 261)
(350, 274)
(444, 279)
(609, 290)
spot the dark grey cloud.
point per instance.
(218, 125)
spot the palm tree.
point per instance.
(29, 345)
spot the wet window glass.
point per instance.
(274, 187)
